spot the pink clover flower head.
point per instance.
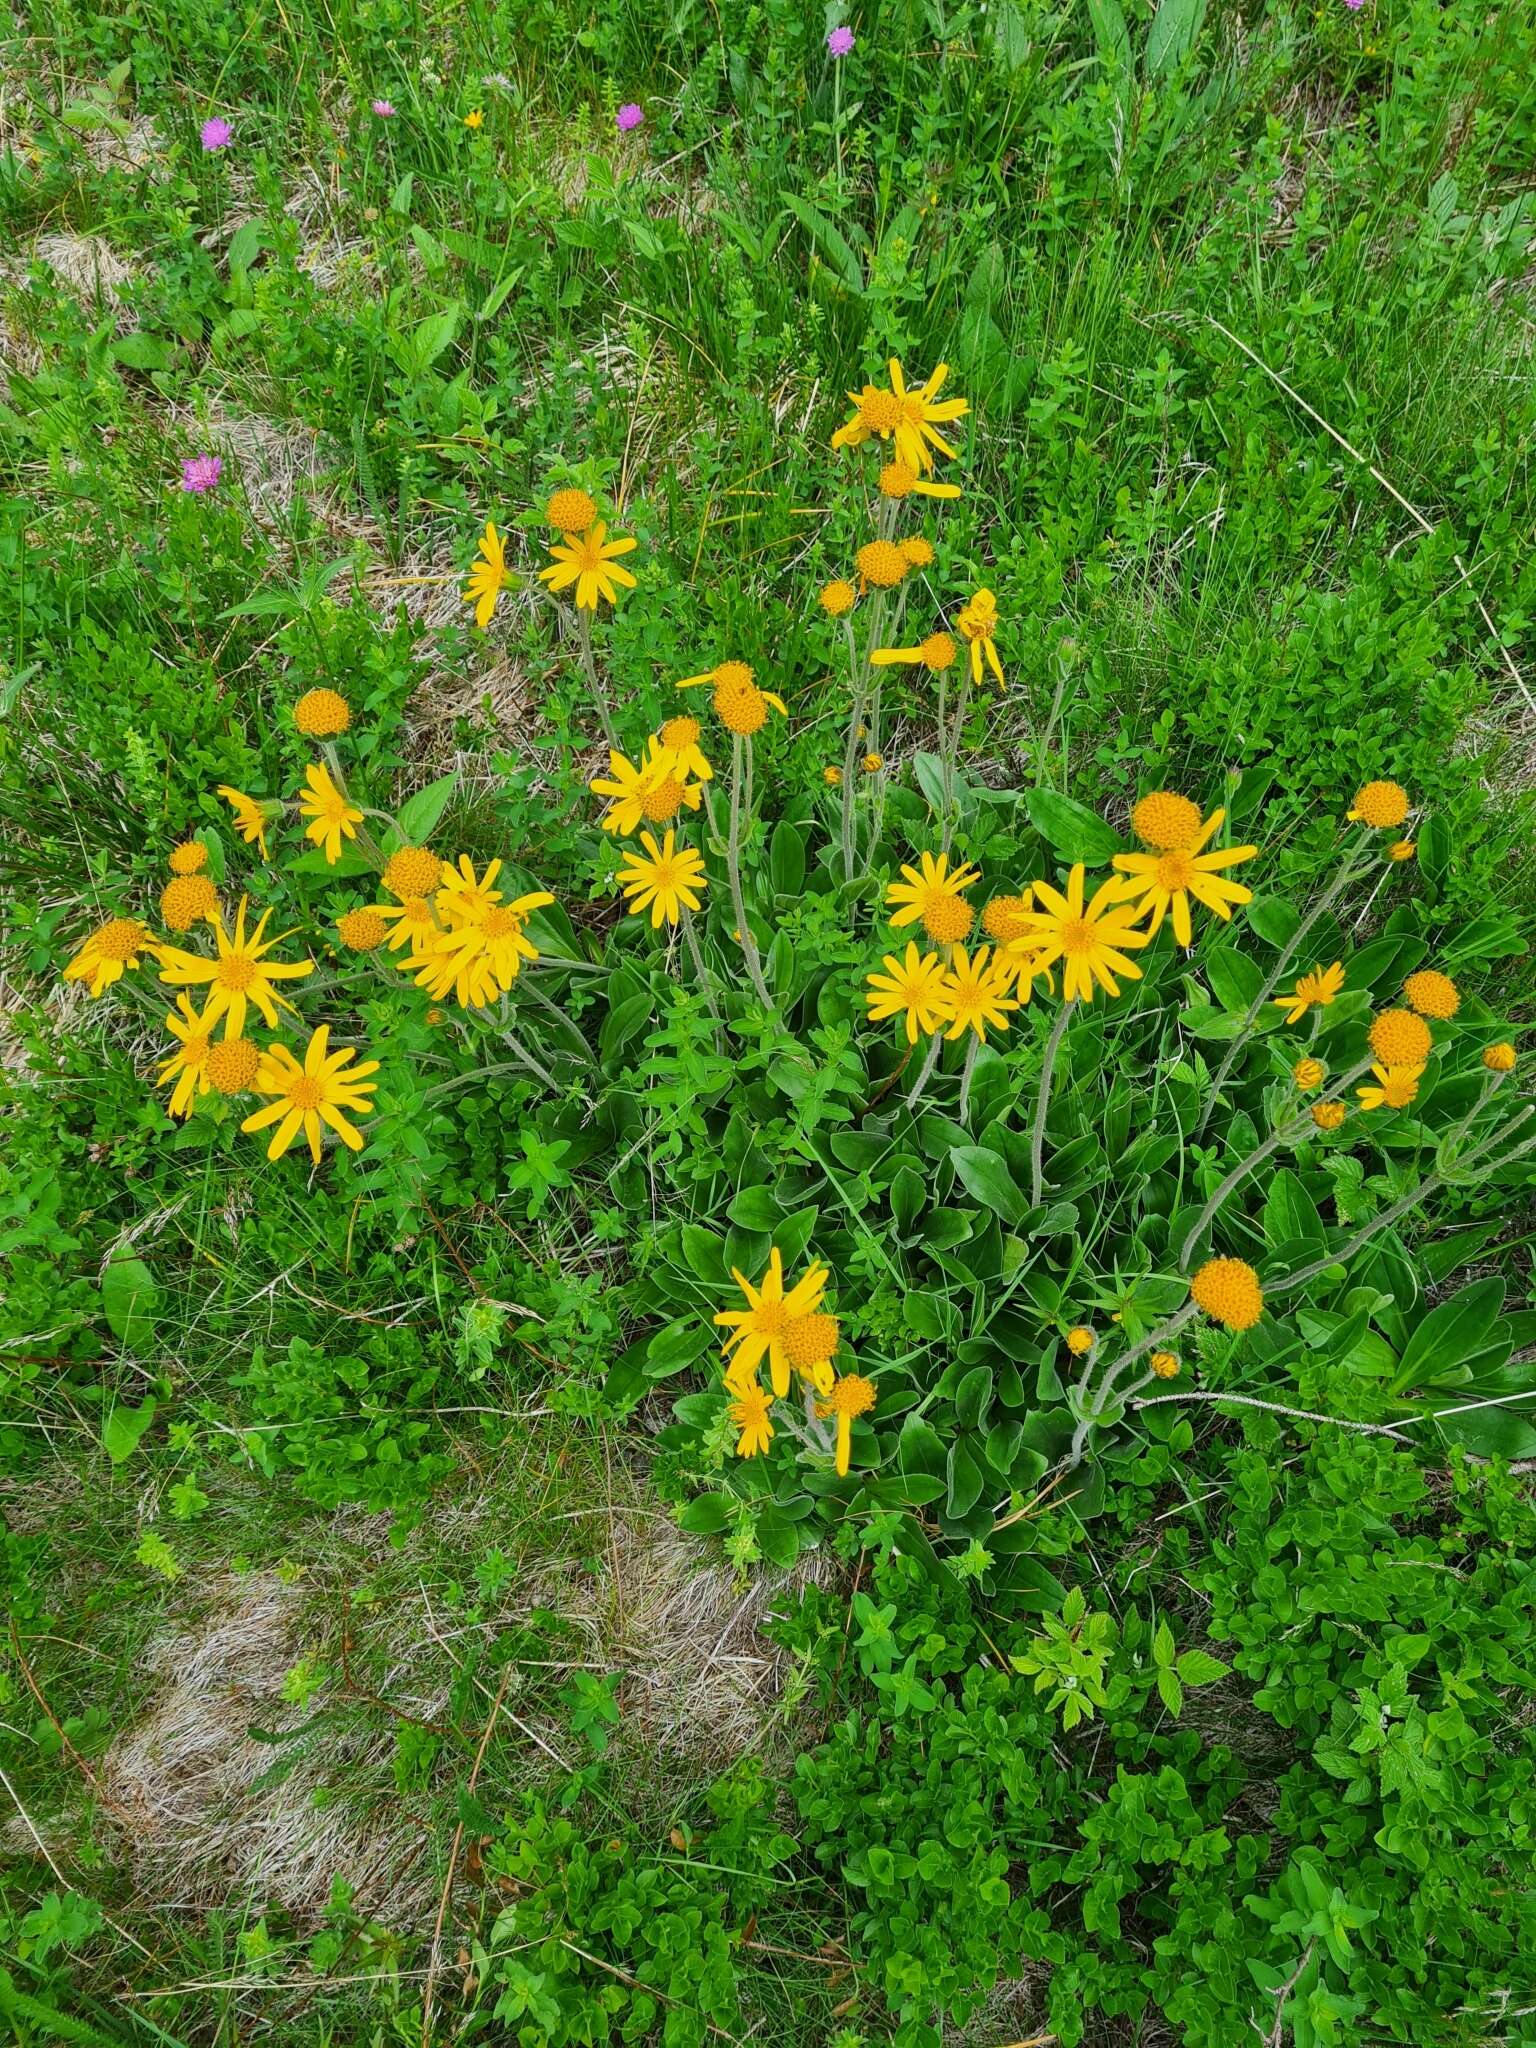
(840, 41)
(384, 110)
(199, 473)
(216, 134)
(629, 116)
(1354, 6)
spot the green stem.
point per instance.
(965, 1076)
(930, 1061)
(599, 687)
(1042, 1103)
(733, 870)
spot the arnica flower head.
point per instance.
(976, 623)
(590, 561)
(840, 41)
(1400, 1038)
(1080, 1341)
(851, 1396)
(361, 931)
(216, 134)
(231, 1066)
(186, 899)
(881, 563)
(1163, 820)
(1160, 881)
(758, 1331)
(331, 818)
(383, 109)
(936, 654)
(109, 951)
(322, 714)
(837, 598)
(934, 893)
(630, 115)
(667, 879)
(1380, 804)
(238, 976)
(252, 816)
(199, 473)
(681, 736)
(412, 871)
(1091, 939)
(908, 417)
(1228, 1291)
(1315, 989)
(1432, 994)
(651, 793)
(1329, 1116)
(740, 705)
(186, 1066)
(749, 1410)
(478, 961)
(475, 118)
(976, 989)
(1164, 1365)
(487, 576)
(189, 858)
(899, 480)
(1500, 1058)
(1395, 1088)
(571, 510)
(911, 988)
(325, 1085)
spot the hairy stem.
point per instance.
(1042, 1104)
(733, 870)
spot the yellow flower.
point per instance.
(474, 119)
(875, 411)
(412, 871)
(652, 793)
(666, 877)
(361, 931)
(1164, 820)
(1432, 994)
(1328, 1116)
(488, 576)
(936, 654)
(872, 763)
(190, 858)
(571, 511)
(900, 480)
(1400, 1039)
(186, 899)
(1382, 804)
(251, 816)
(977, 625)
(1229, 1292)
(463, 897)
(590, 561)
(681, 737)
(412, 923)
(1080, 1341)
(1091, 940)
(749, 1412)
(933, 893)
(740, 705)
(320, 1089)
(1316, 988)
(1164, 1365)
(851, 1395)
(1402, 849)
(331, 817)
(1160, 881)
(1004, 916)
(916, 552)
(757, 1331)
(977, 994)
(922, 413)
(837, 598)
(1308, 1074)
(1396, 1087)
(1500, 1058)
(239, 975)
(232, 1065)
(186, 1066)
(832, 777)
(881, 563)
(479, 961)
(810, 1344)
(912, 989)
(322, 714)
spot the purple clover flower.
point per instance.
(840, 41)
(383, 109)
(216, 134)
(199, 473)
(630, 115)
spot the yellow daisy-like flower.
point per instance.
(463, 897)
(1315, 989)
(322, 714)
(1500, 1058)
(916, 552)
(681, 737)
(875, 411)
(936, 653)
(591, 561)
(977, 624)
(475, 118)
(912, 989)
(1164, 820)
(412, 923)
(1092, 940)
(923, 412)
(652, 793)
(186, 900)
(361, 931)
(1080, 1341)
(478, 962)
(977, 993)
(667, 878)
(749, 1411)
(1381, 804)
(190, 858)
(1164, 1365)
(1160, 881)
(1402, 849)
(872, 763)
(934, 894)
(758, 1331)
(1400, 1039)
(1395, 1088)
(900, 480)
(252, 816)
(832, 777)
(412, 871)
(740, 705)
(187, 1065)
(1228, 1291)
(837, 598)
(318, 1091)
(1432, 994)
(331, 817)
(881, 563)
(571, 511)
(488, 576)
(810, 1344)
(1308, 1074)
(1329, 1116)
(232, 1065)
(238, 976)
(1003, 918)
(851, 1396)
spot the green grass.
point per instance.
(1246, 333)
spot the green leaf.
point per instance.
(675, 1347)
(624, 1023)
(786, 860)
(1070, 828)
(1290, 1212)
(1170, 1692)
(1162, 1647)
(777, 1537)
(840, 258)
(966, 1479)
(141, 351)
(1199, 1667)
(1110, 33)
(123, 1428)
(756, 1209)
(129, 1296)
(973, 1396)
(420, 813)
(1235, 979)
(707, 1515)
(1450, 1335)
(1174, 29)
(984, 1175)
